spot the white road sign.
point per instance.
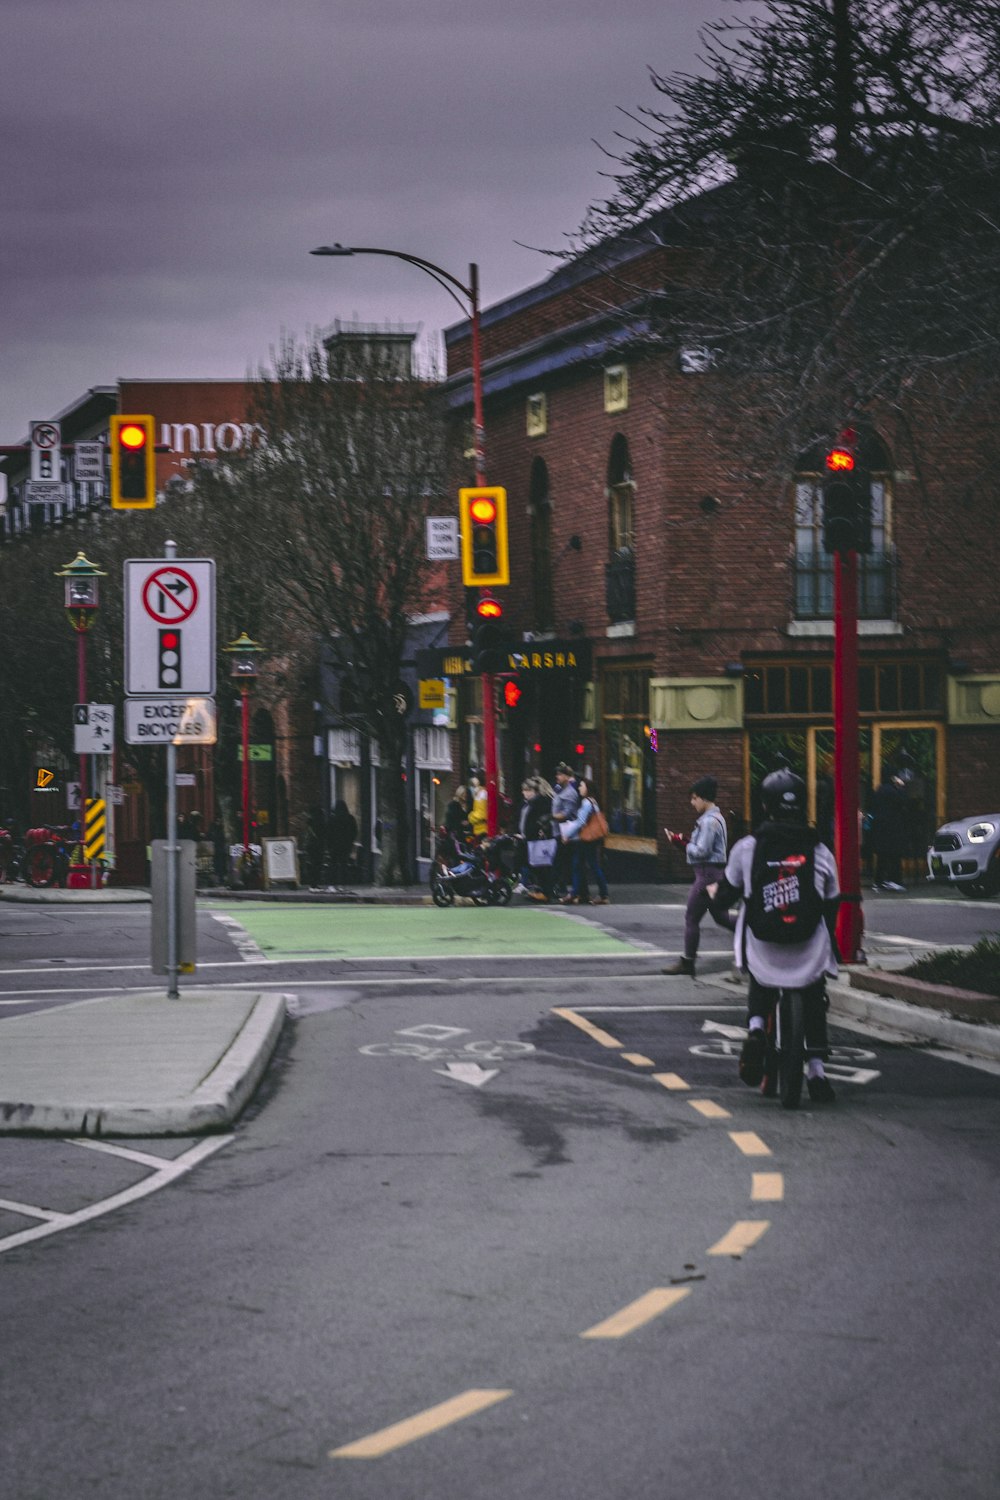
(88, 462)
(46, 442)
(442, 538)
(45, 492)
(164, 721)
(93, 728)
(170, 627)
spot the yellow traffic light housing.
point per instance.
(483, 525)
(133, 463)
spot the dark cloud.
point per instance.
(165, 166)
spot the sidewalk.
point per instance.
(136, 1063)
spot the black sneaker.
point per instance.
(752, 1056)
(821, 1090)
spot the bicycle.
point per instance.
(47, 859)
(787, 1054)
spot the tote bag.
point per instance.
(541, 851)
(596, 827)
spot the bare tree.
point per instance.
(829, 184)
(323, 522)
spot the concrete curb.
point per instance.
(52, 895)
(214, 1105)
(966, 1005)
(918, 1023)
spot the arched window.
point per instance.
(621, 498)
(620, 587)
(814, 565)
(540, 511)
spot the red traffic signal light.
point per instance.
(511, 694)
(489, 609)
(840, 460)
(483, 510)
(133, 463)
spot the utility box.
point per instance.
(186, 941)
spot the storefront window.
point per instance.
(629, 780)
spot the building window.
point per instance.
(540, 510)
(898, 687)
(537, 415)
(629, 779)
(616, 388)
(814, 566)
(620, 573)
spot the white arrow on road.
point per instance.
(468, 1073)
(735, 1033)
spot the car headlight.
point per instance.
(980, 832)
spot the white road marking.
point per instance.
(165, 1173)
(468, 1073)
(247, 947)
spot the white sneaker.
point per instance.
(891, 885)
(520, 890)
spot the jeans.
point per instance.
(587, 856)
(697, 906)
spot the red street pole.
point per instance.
(850, 918)
(246, 768)
(488, 679)
(81, 697)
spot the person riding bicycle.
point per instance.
(785, 930)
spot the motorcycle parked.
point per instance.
(484, 873)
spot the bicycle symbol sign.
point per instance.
(170, 596)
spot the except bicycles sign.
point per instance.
(170, 627)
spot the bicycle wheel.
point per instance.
(792, 1055)
(41, 866)
(441, 895)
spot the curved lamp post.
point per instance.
(467, 298)
(81, 599)
(245, 653)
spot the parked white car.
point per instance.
(966, 854)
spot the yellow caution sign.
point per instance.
(95, 824)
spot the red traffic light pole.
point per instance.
(470, 307)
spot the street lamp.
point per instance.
(243, 672)
(80, 600)
(467, 298)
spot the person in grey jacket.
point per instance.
(565, 806)
(706, 854)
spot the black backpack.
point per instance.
(784, 905)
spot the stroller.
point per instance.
(484, 872)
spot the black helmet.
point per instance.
(784, 797)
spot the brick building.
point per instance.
(700, 605)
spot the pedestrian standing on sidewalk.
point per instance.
(585, 852)
(565, 803)
(706, 854)
(888, 833)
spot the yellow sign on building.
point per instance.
(432, 692)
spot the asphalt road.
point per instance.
(461, 1246)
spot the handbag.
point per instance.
(596, 826)
(542, 851)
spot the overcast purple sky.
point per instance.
(168, 164)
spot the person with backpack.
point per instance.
(706, 854)
(787, 879)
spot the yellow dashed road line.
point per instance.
(742, 1235)
(604, 1037)
(749, 1142)
(643, 1310)
(421, 1425)
(670, 1080)
(638, 1061)
(710, 1109)
(768, 1187)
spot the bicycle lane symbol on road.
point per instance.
(843, 1063)
(439, 1044)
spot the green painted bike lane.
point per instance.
(314, 931)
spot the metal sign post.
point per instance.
(169, 682)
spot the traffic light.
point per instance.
(512, 693)
(483, 524)
(133, 463)
(168, 660)
(847, 503)
(490, 638)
